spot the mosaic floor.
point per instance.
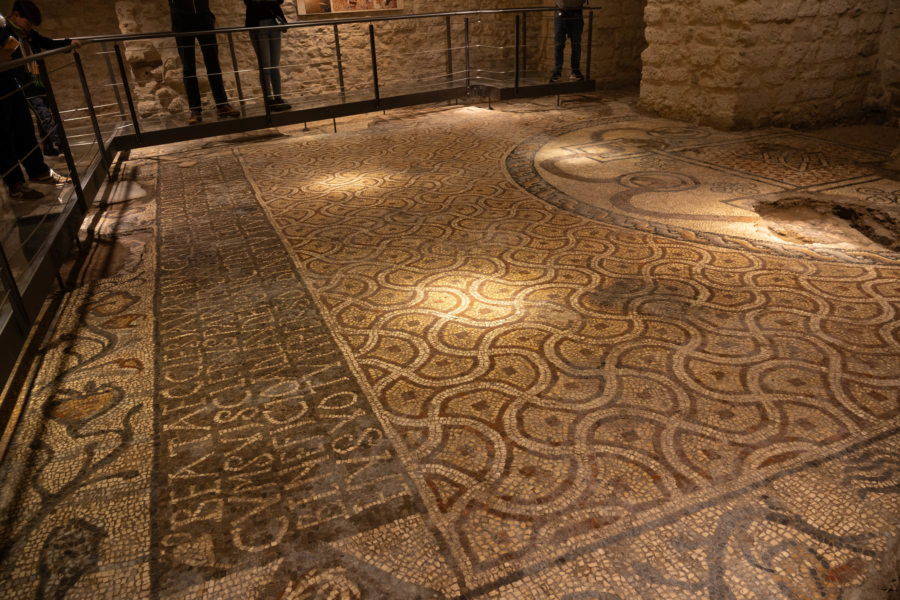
(529, 353)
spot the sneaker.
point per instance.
(51, 177)
(225, 111)
(196, 117)
(276, 104)
(20, 191)
(576, 76)
(555, 77)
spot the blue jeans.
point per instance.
(267, 44)
(46, 126)
(567, 23)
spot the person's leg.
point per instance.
(272, 40)
(209, 46)
(261, 46)
(19, 146)
(9, 160)
(210, 49)
(188, 58)
(42, 136)
(559, 42)
(28, 150)
(46, 126)
(576, 27)
(275, 61)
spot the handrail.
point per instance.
(316, 23)
(18, 62)
(130, 37)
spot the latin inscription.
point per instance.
(265, 437)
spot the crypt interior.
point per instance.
(633, 342)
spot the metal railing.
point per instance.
(459, 60)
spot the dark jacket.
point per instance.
(189, 7)
(258, 10)
(191, 15)
(32, 42)
(570, 4)
(8, 81)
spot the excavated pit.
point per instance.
(811, 218)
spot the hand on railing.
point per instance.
(7, 51)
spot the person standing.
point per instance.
(23, 19)
(193, 16)
(568, 21)
(18, 146)
(267, 44)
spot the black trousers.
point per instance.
(209, 47)
(17, 142)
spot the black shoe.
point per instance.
(576, 76)
(276, 104)
(555, 77)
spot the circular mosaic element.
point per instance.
(694, 182)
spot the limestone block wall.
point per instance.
(889, 67)
(887, 89)
(748, 63)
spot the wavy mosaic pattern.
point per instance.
(550, 378)
(461, 354)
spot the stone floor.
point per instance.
(537, 352)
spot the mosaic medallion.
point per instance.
(692, 181)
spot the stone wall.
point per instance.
(728, 63)
(406, 50)
(748, 63)
(887, 89)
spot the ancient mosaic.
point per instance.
(528, 353)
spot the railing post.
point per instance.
(524, 41)
(112, 79)
(518, 49)
(63, 138)
(340, 65)
(449, 52)
(374, 65)
(90, 106)
(237, 75)
(468, 64)
(587, 67)
(127, 86)
(20, 313)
